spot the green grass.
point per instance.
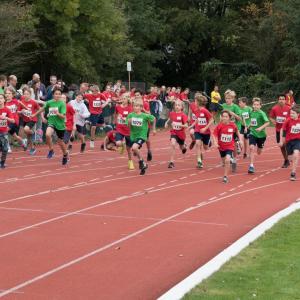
(268, 269)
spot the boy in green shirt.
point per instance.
(56, 114)
(138, 124)
(258, 123)
(245, 115)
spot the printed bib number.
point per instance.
(245, 115)
(280, 120)
(202, 121)
(53, 111)
(253, 122)
(295, 129)
(176, 125)
(97, 103)
(27, 113)
(13, 108)
(3, 123)
(121, 121)
(137, 122)
(226, 138)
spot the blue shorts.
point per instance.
(205, 138)
(292, 145)
(121, 137)
(226, 152)
(13, 128)
(81, 129)
(96, 119)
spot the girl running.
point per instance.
(223, 138)
(192, 118)
(204, 120)
(178, 123)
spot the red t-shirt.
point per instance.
(95, 103)
(31, 108)
(203, 117)
(173, 94)
(280, 114)
(70, 117)
(112, 136)
(122, 113)
(183, 96)
(5, 112)
(107, 94)
(289, 100)
(152, 96)
(225, 135)
(146, 106)
(194, 108)
(178, 119)
(13, 107)
(292, 129)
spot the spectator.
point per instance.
(42, 87)
(289, 97)
(184, 96)
(117, 86)
(51, 87)
(3, 83)
(84, 87)
(163, 95)
(215, 99)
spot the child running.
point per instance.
(245, 114)
(81, 114)
(56, 113)
(6, 117)
(123, 132)
(291, 137)
(278, 115)
(27, 109)
(178, 125)
(224, 139)
(258, 124)
(138, 125)
(192, 118)
(204, 120)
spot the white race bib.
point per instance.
(202, 121)
(96, 103)
(245, 115)
(121, 120)
(12, 108)
(176, 125)
(295, 129)
(137, 122)
(27, 113)
(280, 120)
(3, 123)
(226, 138)
(53, 111)
(253, 122)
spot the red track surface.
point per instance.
(94, 230)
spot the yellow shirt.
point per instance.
(215, 96)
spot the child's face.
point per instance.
(2, 100)
(57, 95)
(225, 118)
(242, 104)
(63, 97)
(125, 100)
(229, 99)
(178, 107)
(94, 91)
(137, 108)
(79, 98)
(281, 101)
(294, 115)
(256, 105)
(27, 95)
(8, 95)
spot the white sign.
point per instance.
(129, 69)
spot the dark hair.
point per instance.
(77, 93)
(3, 78)
(243, 99)
(225, 112)
(57, 89)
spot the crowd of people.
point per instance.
(236, 126)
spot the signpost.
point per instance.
(129, 69)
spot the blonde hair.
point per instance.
(230, 93)
(201, 100)
(256, 99)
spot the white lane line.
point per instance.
(175, 180)
(107, 176)
(137, 193)
(212, 198)
(44, 172)
(150, 188)
(79, 183)
(223, 193)
(250, 181)
(95, 179)
(232, 190)
(241, 185)
(12, 179)
(162, 184)
(29, 175)
(184, 177)
(125, 238)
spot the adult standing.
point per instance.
(215, 101)
(289, 97)
(51, 87)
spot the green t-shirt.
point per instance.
(53, 106)
(235, 109)
(258, 119)
(139, 125)
(1, 91)
(245, 114)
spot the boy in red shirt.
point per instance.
(204, 120)
(224, 139)
(178, 123)
(6, 117)
(27, 108)
(109, 142)
(291, 137)
(97, 102)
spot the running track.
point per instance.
(94, 230)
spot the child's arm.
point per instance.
(42, 109)
(154, 126)
(105, 143)
(237, 117)
(167, 123)
(211, 121)
(106, 103)
(9, 119)
(263, 127)
(192, 125)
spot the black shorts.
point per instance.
(226, 152)
(245, 132)
(140, 142)
(67, 136)
(60, 133)
(121, 137)
(278, 137)
(29, 124)
(259, 142)
(178, 140)
(96, 119)
(81, 129)
(215, 107)
(292, 145)
(205, 138)
(13, 129)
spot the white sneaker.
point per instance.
(92, 144)
(9, 150)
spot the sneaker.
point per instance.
(233, 166)
(102, 147)
(50, 154)
(183, 149)
(131, 165)
(32, 151)
(149, 156)
(2, 165)
(192, 145)
(171, 165)
(251, 170)
(238, 148)
(200, 164)
(286, 164)
(141, 164)
(293, 176)
(82, 147)
(225, 179)
(92, 144)
(143, 169)
(245, 156)
(65, 159)
(70, 147)
(24, 144)
(9, 149)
